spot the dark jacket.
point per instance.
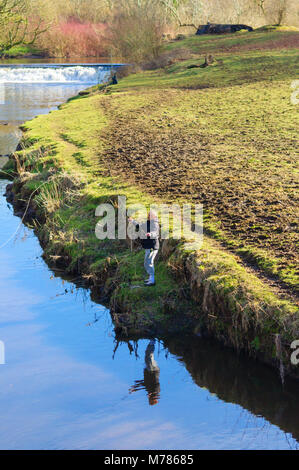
(152, 242)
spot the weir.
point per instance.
(88, 74)
(27, 90)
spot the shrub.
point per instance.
(137, 32)
(75, 39)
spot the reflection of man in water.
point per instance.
(151, 376)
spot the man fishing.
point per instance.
(149, 237)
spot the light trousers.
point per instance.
(149, 260)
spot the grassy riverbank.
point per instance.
(23, 52)
(223, 135)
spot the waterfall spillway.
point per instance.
(63, 74)
(27, 90)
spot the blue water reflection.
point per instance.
(61, 388)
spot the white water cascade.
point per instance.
(29, 90)
(52, 74)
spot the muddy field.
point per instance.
(243, 173)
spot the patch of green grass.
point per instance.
(224, 43)
(18, 51)
(251, 67)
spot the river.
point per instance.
(67, 383)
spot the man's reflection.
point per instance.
(151, 374)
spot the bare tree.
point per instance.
(196, 12)
(261, 4)
(274, 11)
(174, 8)
(239, 9)
(137, 29)
(93, 11)
(16, 25)
(279, 11)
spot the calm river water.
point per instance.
(68, 384)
